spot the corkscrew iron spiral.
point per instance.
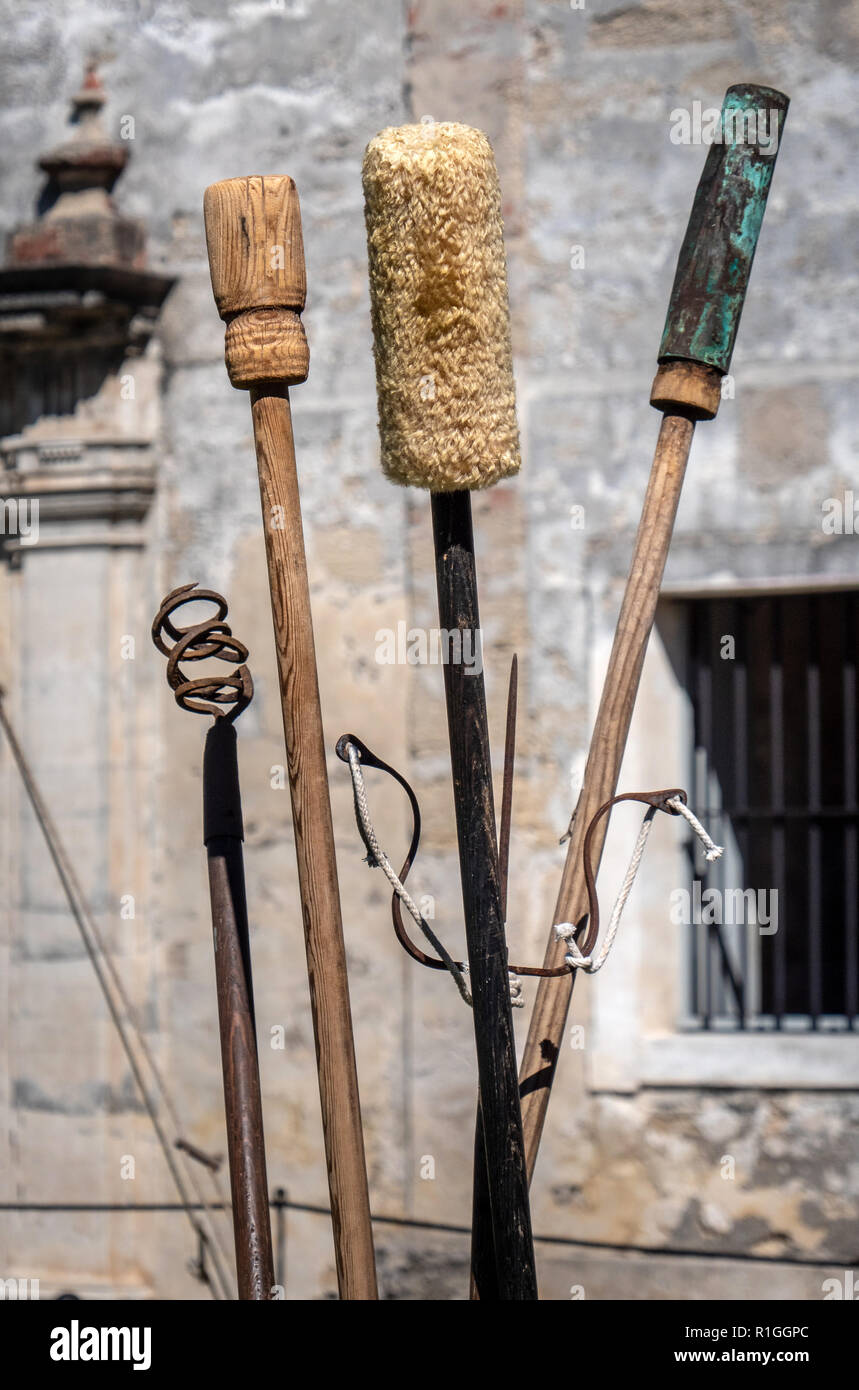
(212, 639)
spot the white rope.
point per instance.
(377, 858)
(566, 931)
(713, 851)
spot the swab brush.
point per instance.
(438, 289)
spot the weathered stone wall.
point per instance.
(577, 104)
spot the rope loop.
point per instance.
(674, 803)
(377, 859)
(352, 751)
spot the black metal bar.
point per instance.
(789, 813)
(851, 848)
(222, 822)
(777, 830)
(790, 943)
(834, 716)
(733, 972)
(690, 609)
(481, 893)
(815, 953)
(705, 712)
(716, 789)
(759, 636)
(740, 789)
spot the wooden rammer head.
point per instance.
(256, 260)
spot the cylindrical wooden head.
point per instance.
(438, 295)
(256, 260)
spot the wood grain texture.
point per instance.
(268, 340)
(256, 261)
(256, 251)
(314, 844)
(503, 1157)
(242, 1098)
(687, 386)
(608, 742)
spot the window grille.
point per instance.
(772, 929)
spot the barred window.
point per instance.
(773, 937)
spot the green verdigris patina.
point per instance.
(719, 246)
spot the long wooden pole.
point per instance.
(253, 231)
(697, 344)
(314, 843)
(608, 741)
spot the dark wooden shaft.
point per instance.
(484, 1267)
(240, 1063)
(484, 1281)
(507, 1178)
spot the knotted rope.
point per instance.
(566, 931)
(713, 851)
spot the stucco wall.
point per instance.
(577, 103)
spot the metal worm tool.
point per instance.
(444, 376)
(224, 697)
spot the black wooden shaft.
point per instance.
(484, 1269)
(468, 729)
(240, 1063)
(484, 1280)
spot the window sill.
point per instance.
(735, 1061)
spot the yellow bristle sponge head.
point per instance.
(438, 295)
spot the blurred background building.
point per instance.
(701, 1140)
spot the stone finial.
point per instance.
(80, 224)
(89, 158)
